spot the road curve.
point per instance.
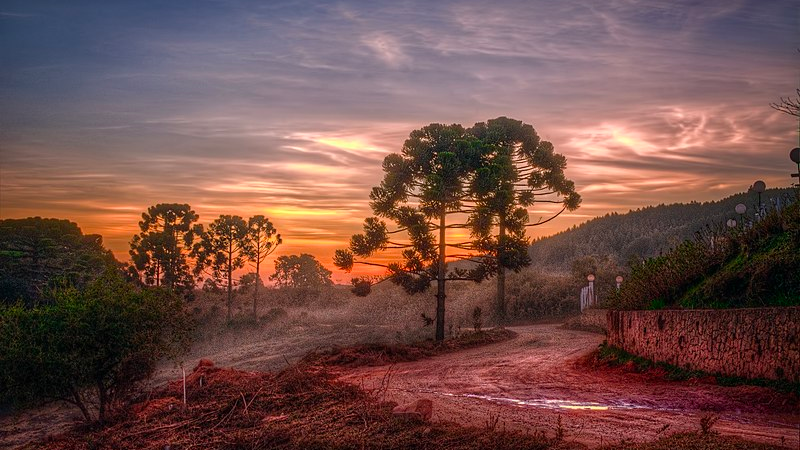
(530, 382)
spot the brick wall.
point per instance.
(751, 343)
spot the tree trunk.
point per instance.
(255, 295)
(102, 400)
(440, 280)
(230, 275)
(501, 273)
(81, 405)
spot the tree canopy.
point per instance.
(160, 250)
(38, 255)
(301, 271)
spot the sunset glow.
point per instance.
(287, 109)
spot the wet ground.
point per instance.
(535, 380)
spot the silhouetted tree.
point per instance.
(301, 271)
(518, 171)
(38, 255)
(263, 241)
(160, 250)
(421, 188)
(788, 105)
(222, 249)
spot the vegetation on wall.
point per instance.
(747, 266)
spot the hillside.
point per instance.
(642, 233)
(751, 266)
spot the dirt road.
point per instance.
(532, 381)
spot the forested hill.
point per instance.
(644, 232)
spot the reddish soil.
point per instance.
(540, 377)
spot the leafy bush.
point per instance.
(90, 347)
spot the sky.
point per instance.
(287, 108)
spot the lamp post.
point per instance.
(619, 281)
(759, 186)
(591, 289)
(740, 210)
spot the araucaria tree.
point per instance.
(222, 249)
(263, 241)
(422, 187)
(518, 171)
(161, 248)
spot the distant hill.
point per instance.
(644, 232)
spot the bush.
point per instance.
(752, 266)
(90, 347)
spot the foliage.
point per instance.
(616, 357)
(38, 255)
(92, 346)
(749, 266)
(263, 240)
(643, 233)
(160, 250)
(361, 286)
(534, 295)
(301, 271)
(222, 249)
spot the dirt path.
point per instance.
(532, 381)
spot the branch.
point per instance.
(540, 222)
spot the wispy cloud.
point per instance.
(288, 109)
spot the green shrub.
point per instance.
(90, 347)
(751, 266)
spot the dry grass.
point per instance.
(381, 354)
(298, 408)
(694, 441)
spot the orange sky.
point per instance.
(288, 109)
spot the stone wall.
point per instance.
(750, 343)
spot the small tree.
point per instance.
(301, 271)
(92, 347)
(263, 241)
(222, 249)
(160, 250)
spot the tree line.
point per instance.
(170, 239)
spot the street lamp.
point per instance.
(591, 289)
(740, 210)
(759, 186)
(619, 281)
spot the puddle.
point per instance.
(550, 403)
